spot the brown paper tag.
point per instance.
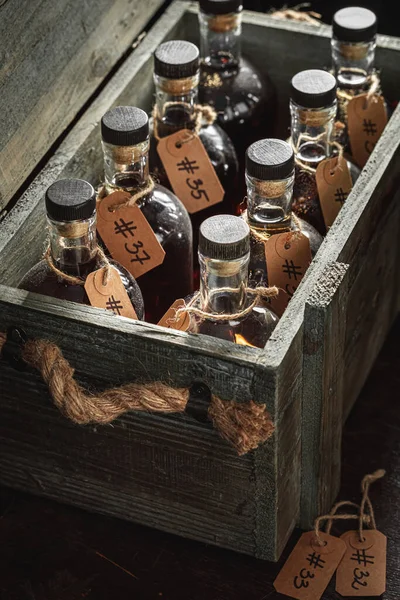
(189, 170)
(112, 296)
(366, 121)
(362, 571)
(310, 567)
(170, 319)
(334, 184)
(288, 256)
(128, 236)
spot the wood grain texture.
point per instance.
(322, 406)
(64, 51)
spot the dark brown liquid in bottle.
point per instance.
(41, 279)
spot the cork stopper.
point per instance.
(224, 237)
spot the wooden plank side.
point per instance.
(322, 406)
(64, 51)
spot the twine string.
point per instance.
(74, 280)
(296, 14)
(366, 501)
(202, 112)
(134, 198)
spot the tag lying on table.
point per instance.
(362, 571)
(189, 170)
(172, 321)
(309, 568)
(366, 121)
(334, 184)
(112, 295)
(127, 234)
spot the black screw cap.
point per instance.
(224, 237)
(176, 59)
(269, 160)
(313, 88)
(70, 200)
(354, 24)
(125, 126)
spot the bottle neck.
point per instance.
(353, 63)
(220, 39)
(269, 203)
(126, 167)
(215, 275)
(175, 101)
(73, 245)
(312, 132)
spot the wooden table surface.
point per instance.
(53, 552)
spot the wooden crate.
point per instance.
(174, 472)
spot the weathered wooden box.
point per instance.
(174, 472)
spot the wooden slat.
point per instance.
(53, 57)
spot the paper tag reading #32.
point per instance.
(189, 170)
(112, 296)
(288, 256)
(366, 120)
(181, 323)
(310, 567)
(127, 234)
(334, 184)
(362, 571)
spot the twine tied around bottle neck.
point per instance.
(374, 87)
(308, 138)
(74, 280)
(362, 517)
(201, 113)
(264, 236)
(132, 199)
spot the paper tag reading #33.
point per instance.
(127, 234)
(366, 121)
(181, 323)
(310, 567)
(334, 184)
(189, 170)
(362, 571)
(288, 256)
(112, 296)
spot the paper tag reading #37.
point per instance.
(171, 320)
(127, 234)
(288, 256)
(189, 170)
(112, 295)
(334, 184)
(362, 571)
(310, 567)
(366, 120)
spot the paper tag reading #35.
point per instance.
(362, 571)
(112, 296)
(127, 234)
(310, 567)
(288, 256)
(366, 120)
(189, 170)
(334, 184)
(170, 319)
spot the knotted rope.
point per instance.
(244, 425)
(72, 279)
(202, 112)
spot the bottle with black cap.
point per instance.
(71, 221)
(313, 108)
(243, 98)
(270, 179)
(224, 254)
(125, 140)
(176, 76)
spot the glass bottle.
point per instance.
(125, 140)
(313, 108)
(176, 75)
(224, 253)
(243, 98)
(353, 57)
(71, 220)
(270, 179)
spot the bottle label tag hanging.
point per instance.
(171, 320)
(288, 256)
(362, 571)
(310, 567)
(334, 184)
(189, 170)
(366, 121)
(127, 234)
(111, 294)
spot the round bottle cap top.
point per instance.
(70, 200)
(220, 7)
(125, 126)
(224, 237)
(313, 88)
(176, 59)
(269, 160)
(354, 24)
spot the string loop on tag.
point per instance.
(201, 112)
(72, 279)
(366, 501)
(134, 198)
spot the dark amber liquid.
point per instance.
(42, 280)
